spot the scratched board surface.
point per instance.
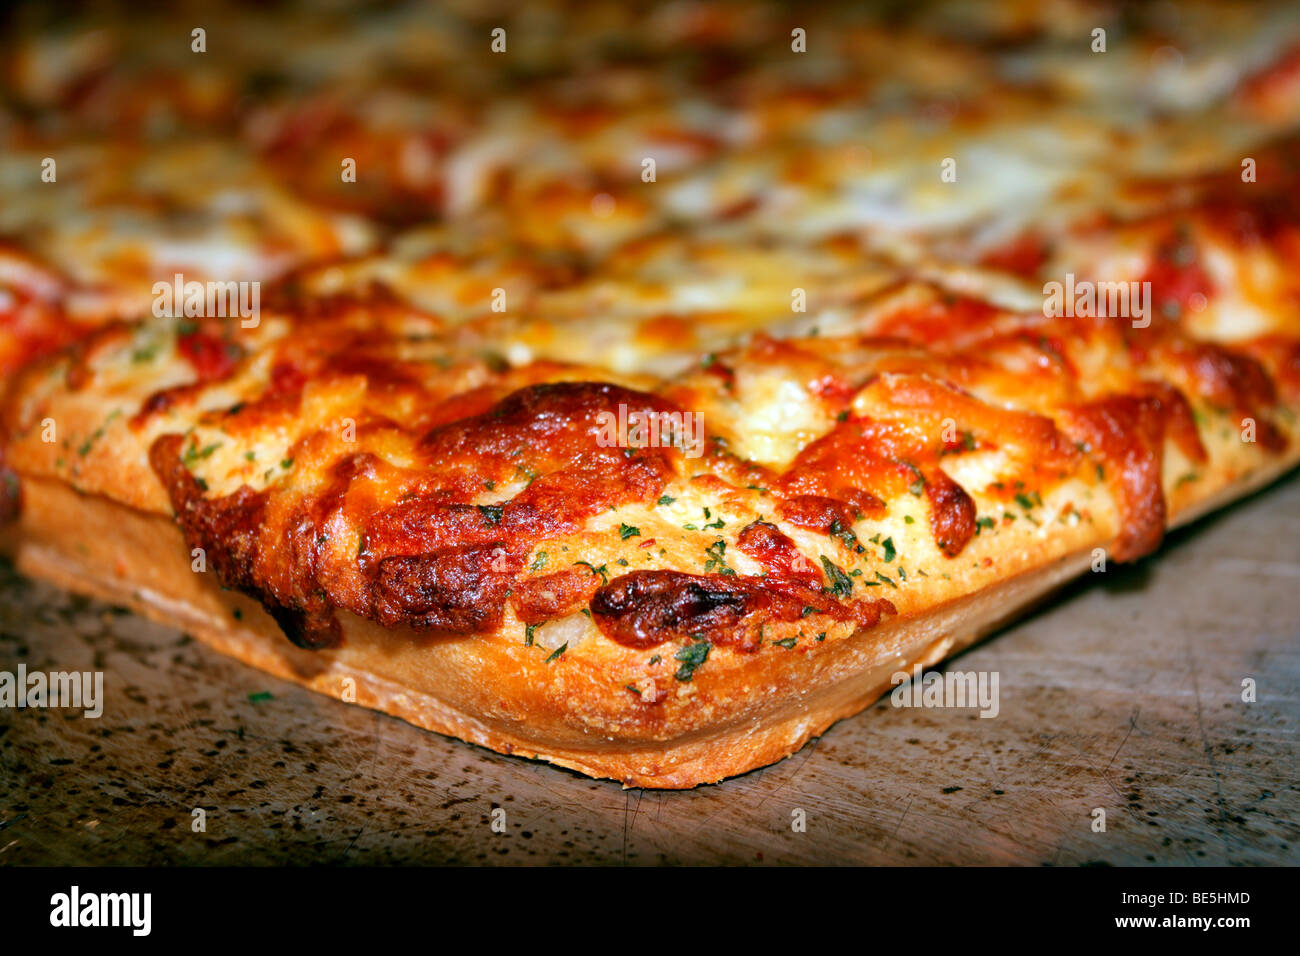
(1124, 694)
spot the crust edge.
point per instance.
(57, 551)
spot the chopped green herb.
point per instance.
(557, 652)
(717, 558)
(692, 656)
(194, 453)
(602, 570)
(1028, 501)
(841, 585)
(626, 531)
(837, 530)
(666, 500)
(491, 513)
(788, 643)
(888, 545)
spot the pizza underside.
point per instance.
(650, 397)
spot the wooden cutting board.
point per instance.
(1124, 694)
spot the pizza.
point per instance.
(652, 470)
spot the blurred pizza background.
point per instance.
(657, 177)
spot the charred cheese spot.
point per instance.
(647, 608)
(1126, 434)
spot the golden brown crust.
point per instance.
(487, 693)
(457, 687)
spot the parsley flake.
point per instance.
(602, 570)
(692, 656)
(841, 585)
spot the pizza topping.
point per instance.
(952, 512)
(1281, 357)
(1025, 255)
(453, 589)
(644, 609)
(1274, 89)
(947, 319)
(692, 656)
(431, 515)
(1177, 278)
(431, 560)
(1232, 382)
(229, 532)
(1179, 420)
(345, 466)
(211, 356)
(822, 513)
(553, 595)
(774, 550)
(1126, 433)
